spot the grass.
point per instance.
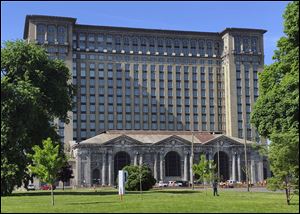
(107, 200)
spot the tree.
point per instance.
(34, 91)
(276, 111)
(47, 162)
(65, 173)
(133, 181)
(205, 170)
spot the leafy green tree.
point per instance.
(205, 170)
(133, 181)
(276, 112)
(47, 162)
(34, 91)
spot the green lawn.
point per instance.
(151, 201)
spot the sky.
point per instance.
(207, 16)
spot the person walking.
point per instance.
(215, 188)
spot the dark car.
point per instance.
(47, 187)
(181, 183)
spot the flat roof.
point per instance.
(132, 29)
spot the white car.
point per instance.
(162, 184)
(30, 187)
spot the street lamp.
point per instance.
(192, 160)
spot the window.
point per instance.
(41, 30)
(51, 33)
(61, 34)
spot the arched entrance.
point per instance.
(96, 176)
(121, 159)
(172, 164)
(224, 165)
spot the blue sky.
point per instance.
(193, 16)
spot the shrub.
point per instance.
(133, 181)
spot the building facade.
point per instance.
(154, 80)
(169, 154)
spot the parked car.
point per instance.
(47, 187)
(30, 187)
(162, 184)
(182, 183)
(171, 183)
(230, 183)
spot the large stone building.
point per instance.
(158, 85)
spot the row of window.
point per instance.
(144, 59)
(118, 43)
(51, 33)
(246, 43)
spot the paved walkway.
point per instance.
(252, 189)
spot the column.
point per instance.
(260, 171)
(78, 168)
(191, 170)
(110, 183)
(233, 167)
(253, 181)
(209, 158)
(88, 169)
(103, 168)
(155, 167)
(239, 167)
(185, 167)
(161, 166)
(141, 159)
(135, 159)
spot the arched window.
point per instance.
(224, 165)
(61, 34)
(51, 33)
(121, 160)
(41, 30)
(172, 164)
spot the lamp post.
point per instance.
(192, 160)
(245, 149)
(218, 162)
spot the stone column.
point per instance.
(103, 168)
(135, 159)
(110, 176)
(88, 169)
(260, 170)
(185, 167)
(78, 168)
(155, 167)
(239, 167)
(191, 164)
(253, 181)
(141, 159)
(233, 167)
(161, 166)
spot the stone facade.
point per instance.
(100, 154)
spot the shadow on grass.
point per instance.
(99, 192)
(95, 202)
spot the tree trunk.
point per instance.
(63, 185)
(287, 194)
(52, 195)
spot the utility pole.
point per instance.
(245, 149)
(218, 162)
(192, 160)
(140, 169)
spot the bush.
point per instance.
(133, 181)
